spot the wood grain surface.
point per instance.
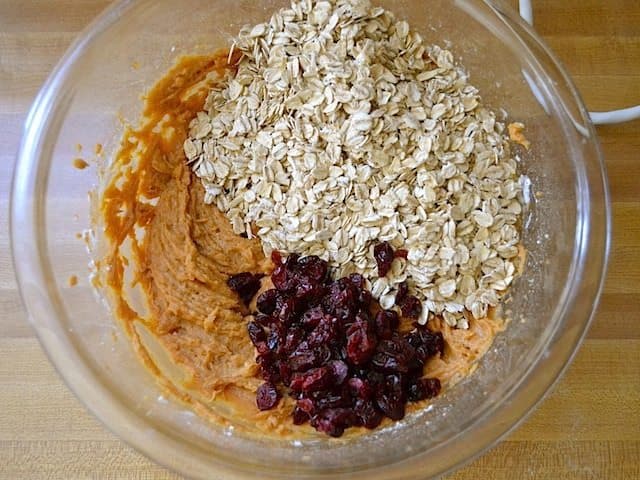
(587, 428)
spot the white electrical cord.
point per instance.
(526, 11)
(598, 118)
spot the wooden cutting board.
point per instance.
(587, 428)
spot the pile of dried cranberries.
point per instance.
(337, 353)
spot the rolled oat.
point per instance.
(342, 128)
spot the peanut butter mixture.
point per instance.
(191, 330)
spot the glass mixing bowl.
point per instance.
(99, 81)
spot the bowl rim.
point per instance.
(104, 405)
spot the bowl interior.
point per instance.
(100, 83)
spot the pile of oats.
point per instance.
(342, 129)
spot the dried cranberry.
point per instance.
(339, 371)
(312, 317)
(426, 343)
(285, 372)
(306, 405)
(361, 342)
(264, 320)
(401, 294)
(333, 421)
(313, 269)
(386, 322)
(286, 310)
(331, 399)
(296, 381)
(299, 416)
(267, 300)
(411, 307)
(364, 296)
(295, 335)
(256, 333)
(339, 351)
(303, 278)
(409, 304)
(383, 254)
(393, 356)
(305, 357)
(275, 340)
(424, 388)
(367, 413)
(392, 400)
(325, 333)
(246, 285)
(375, 379)
(416, 367)
(280, 278)
(309, 293)
(341, 300)
(357, 280)
(257, 337)
(393, 407)
(267, 396)
(316, 379)
(360, 388)
(269, 368)
(323, 353)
